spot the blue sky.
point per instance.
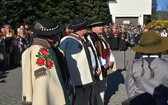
(161, 4)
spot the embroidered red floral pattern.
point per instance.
(49, 63)
(43, 51)
(40, 61)
(44, 58)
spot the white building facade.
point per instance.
(130, 11)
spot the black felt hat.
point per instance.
(46, 27)
(78, 23)
(96, 22)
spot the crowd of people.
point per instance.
(12, 44)
(68, 66)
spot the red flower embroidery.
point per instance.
(44, 58)
(49, 63)
(40, 61)
(43, 51)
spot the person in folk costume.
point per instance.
(147, 77)
(114, 39)
(82, 60)
(106, 57)
(107, 33)
(138, 54)
(42, 78)
(123, 40)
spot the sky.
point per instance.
(161, 4)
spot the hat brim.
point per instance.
(78, 27)
(163, 46)
(94, 24)
(48, 33)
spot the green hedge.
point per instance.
(158, 24)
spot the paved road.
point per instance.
(10, 83)
(116, 92)
(10, 87)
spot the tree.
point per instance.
(149, 18)
(166, 6)
(154, 7)
(16, 12)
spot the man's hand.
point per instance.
(98, 71)
(108, 65)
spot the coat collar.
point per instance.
(42, 42)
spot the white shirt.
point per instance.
(93, 59)
(163, 34)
